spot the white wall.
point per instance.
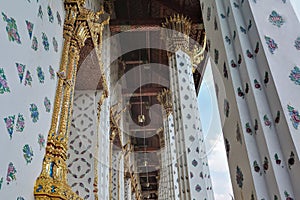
(20, 97)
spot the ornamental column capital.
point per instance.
(165, 99)
(176, 32)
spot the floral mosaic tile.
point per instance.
(29, 26)
(45, 41)
(40, 74)
(40, 12)
(10, 122)
(239, 177)
(3, 82)
(58, 18)
(257, 84)
(297, 43)
(272, 45)
(12, 29)
(27, 153)
(267, 122)
(295, 116)
(41, 141)
(1, 182)
(11, 173)
(55, 44)
(28, 78)
(34, 44)
(20, 124)
(295, 75)
(47, 104)
(50, 14)
(21, 70)
(52, 73)
(34, 113)
(276, 19)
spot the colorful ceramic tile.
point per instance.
(55, 44)
(266, 164)
(257, 84)
(240, 92)
(272, 45)
(277, 160)
(29, 28)
(243, 30)
(247, 88)
(45, 41)
(28, 78)
(250, 24)
(291, 160)
(20, 124)
(21, 70)
(40, 74)
(277, 119)
(50, 14)
(267, 122)
(208, 14)
(12, 29)
(41, 141)
(198, 188)
(239, 59)
(297, 43)
(239, 177)
(52, 73)
(216, 56)
(11, 173)
(58, 18)
(47, 104)
(276, 19)
(248, 128)
(27, 153)
(286, 194)
(295, 116)
(3, 82)
(255, 126)
(40, 12)
(266, 79)
(233, 64)
(226, 107)
(227, 39)
(256, 50)
(1, 182)
(216, 24)
(34, 44)
(34, 113)
(238, 134)
(249, 54)
(10, 122)
(256, 166)
(225, 72)
(295, 75)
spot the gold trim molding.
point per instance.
(80, 24)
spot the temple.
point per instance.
(99, 98)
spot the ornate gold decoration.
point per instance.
(165, 99)
(177, 35)
(52, 182)
(176, 32)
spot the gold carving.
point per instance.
(165, 99)
(52, 182)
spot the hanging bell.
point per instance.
(141, 118)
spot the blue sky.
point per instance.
(213, 136)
